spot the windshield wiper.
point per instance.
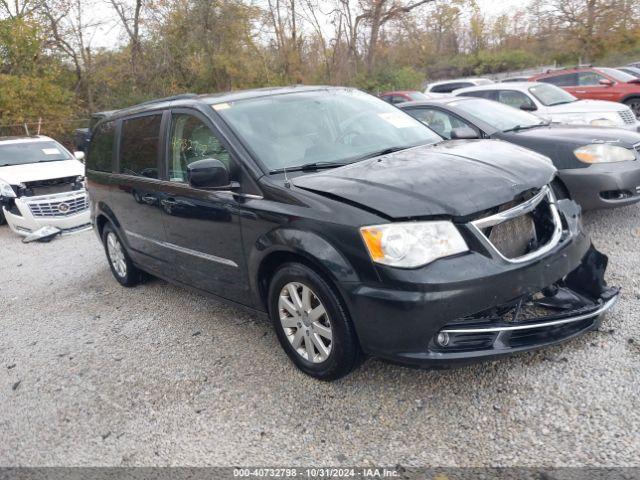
(309, 166)
(385, 151)
(563, 102)
(518, 128)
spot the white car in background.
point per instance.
(41, 185)
(555, 104)
(445, 87)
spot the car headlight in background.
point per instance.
(412, 244)
(595, 120)
(6, 190)
(602, 122)
(603, 153)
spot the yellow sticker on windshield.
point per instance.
(220, 106)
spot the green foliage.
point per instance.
(27, 99)
(21, 46)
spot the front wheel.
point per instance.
(123, 269)
(312, 325)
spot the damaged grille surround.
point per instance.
(513, 219)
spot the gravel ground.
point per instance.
(95, 374)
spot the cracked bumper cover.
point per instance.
(401, 324)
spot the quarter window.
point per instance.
(139, 146)
(101, 149)
(192, 140)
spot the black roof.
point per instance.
(215, 98)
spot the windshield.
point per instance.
(550, 95)
(617, 74)
(499, 116)
(334, 125)
(20, 153)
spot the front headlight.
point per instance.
(6, 190)
(603, 153)
(412, 244)
(602, 122)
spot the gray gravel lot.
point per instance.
(95, 374)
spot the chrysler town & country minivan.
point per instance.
(355, 227)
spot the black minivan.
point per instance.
(356, 228)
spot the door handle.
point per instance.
(581, 91)
(149, 199)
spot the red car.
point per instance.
(402, 96)
(596, 84)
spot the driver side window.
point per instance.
(515, 99)
(441, 122)
(191, 140)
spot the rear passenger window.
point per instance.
(139, 146)
(566, 80)
(101, 149)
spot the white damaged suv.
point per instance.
(41, 184)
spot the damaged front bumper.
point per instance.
(68, 212)
(479, 306)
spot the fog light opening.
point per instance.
(442, 339)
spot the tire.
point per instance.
(341, 354)
(634, 104)
(2, 219)
(122, 268)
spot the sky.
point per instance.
(111, 34)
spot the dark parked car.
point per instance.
(598, 167)
(82, 136)
(352, 225)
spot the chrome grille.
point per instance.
(511, 234)
(63, 207)
(627, 116)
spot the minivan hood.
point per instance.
(452, 178)
(588, 106)
(30, 172)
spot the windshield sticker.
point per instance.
(220, 106)
(51, 151)
(397, 119)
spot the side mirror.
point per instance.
(208, 173)
(463, 133)
(528, 107)
(79, 156)
(606, 82)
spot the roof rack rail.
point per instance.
(182, 96)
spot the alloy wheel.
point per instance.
(305, 322)
(116, 255)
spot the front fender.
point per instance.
(309, 245)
